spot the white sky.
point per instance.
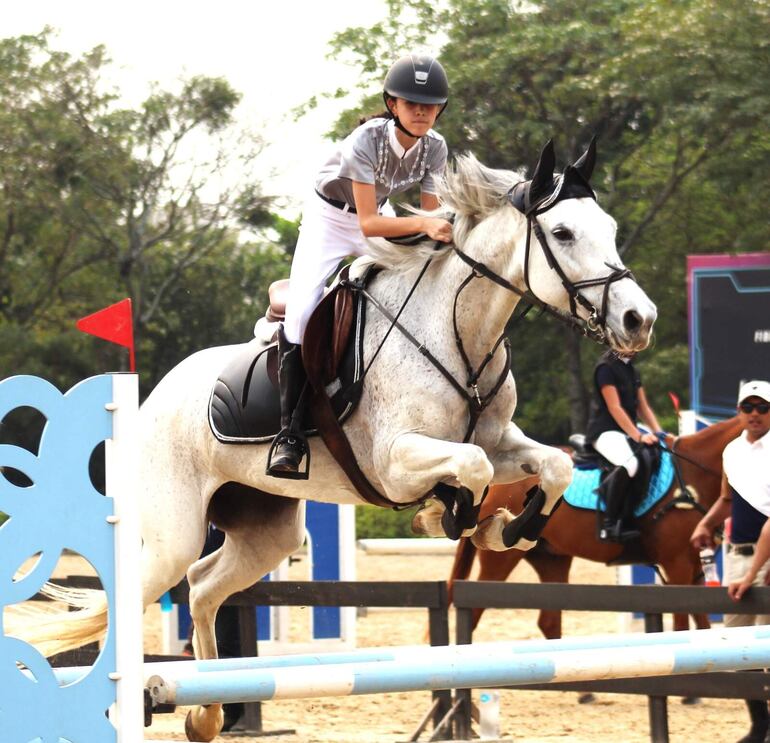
(273, 52)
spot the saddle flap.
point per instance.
(327, 333)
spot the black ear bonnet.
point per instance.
(544, 190)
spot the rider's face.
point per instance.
(418, 118)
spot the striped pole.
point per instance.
(173, 669)
(441, 670)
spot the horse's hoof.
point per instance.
(489, 532)
(203, 724)
(586, 698)
(427, 520)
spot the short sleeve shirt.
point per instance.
(747, 468)
(372, 154)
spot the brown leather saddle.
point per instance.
(244, 407)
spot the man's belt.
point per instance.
(744, 550)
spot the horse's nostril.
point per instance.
(632, 321)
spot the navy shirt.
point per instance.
(626, 380)
(747, 522)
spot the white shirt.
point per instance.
(747, 467)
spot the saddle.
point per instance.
(654, 478)
(244, 407)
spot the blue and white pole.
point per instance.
(490, 665)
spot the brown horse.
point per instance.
(571, 532)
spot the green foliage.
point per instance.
(100, 202)
(381, 523)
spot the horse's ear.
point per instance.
(542, 178)
(585, 163)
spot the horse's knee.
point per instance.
(556, 474)
(473, 470)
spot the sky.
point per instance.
(273, 52)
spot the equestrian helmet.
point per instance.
(418, 78)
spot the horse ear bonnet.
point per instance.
(543, 191)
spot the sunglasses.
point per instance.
(763, 408)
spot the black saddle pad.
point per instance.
(245, 407)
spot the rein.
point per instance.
(685, 496)
(475, 401)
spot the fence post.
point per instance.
(463, 636)
(657, 706)
(438, 629)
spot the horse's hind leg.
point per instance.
(260, 531)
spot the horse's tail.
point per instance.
(461, 569)
(54, 629)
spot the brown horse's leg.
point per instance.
(495, 566)
(550, 569)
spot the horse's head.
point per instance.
(570, 260)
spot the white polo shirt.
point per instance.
(747, 467)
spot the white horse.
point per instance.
(407, 431)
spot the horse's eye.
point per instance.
(563, 234)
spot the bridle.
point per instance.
(569, 185)
(593, 328)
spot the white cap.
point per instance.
(756, 388)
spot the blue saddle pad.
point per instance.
(582, 490)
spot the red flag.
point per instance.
(675, 401)
(114, 324)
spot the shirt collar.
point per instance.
(763, 441)
(395, 145)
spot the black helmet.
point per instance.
(417, 78)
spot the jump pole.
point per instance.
(173, 669)
(493, 667)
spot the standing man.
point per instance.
(745, 497)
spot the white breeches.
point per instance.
(614, 446)
(326, 236)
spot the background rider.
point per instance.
(619, 399)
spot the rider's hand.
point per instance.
(702, 537)
(648, 438)
(737, 588)
(438, 229)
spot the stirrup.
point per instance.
(616, 533)
(295, 441)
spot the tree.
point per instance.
(99, 202)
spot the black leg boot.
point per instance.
(759, 721)
(616, 489)
(290, 445)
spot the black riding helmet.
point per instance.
(418, 78)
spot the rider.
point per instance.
(612, 429)
(385, 155)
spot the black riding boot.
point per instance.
(759, 721)
(616, 490)
(290, 444)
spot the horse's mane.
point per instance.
(469, 192)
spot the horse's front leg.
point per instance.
(516, 457)
(417, 464)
